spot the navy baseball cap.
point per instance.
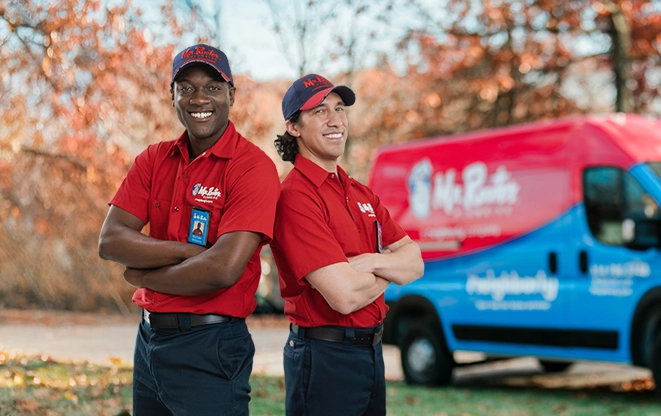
(308, 92)
(203, 54)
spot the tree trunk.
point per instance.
(620, 33)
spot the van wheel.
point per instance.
(554, 366)
(425, 357)
(655, 362)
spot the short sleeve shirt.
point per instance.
(234, 181)
(323, 218)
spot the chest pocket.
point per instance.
(346, 232)
(206, 198)
(159, 211)
(217, 211)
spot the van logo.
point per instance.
(512, 284)
(440, 191)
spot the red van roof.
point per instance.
(469, 191)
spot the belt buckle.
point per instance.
(145, 316)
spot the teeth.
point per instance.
(201, 115)
(334, 136)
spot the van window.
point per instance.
(656, 167)
(613, 195)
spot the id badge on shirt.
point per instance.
(379, 236)
(199, 226)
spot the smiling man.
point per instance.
(209, 198)
(336, 249)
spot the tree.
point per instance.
(635, 53)
(321, 37)
(475, 65)
(85, 88)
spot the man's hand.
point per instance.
(365, 262)
(135, 276)
(399, 263)
(121, 241)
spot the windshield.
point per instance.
(656, 167)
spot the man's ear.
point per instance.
(292, 128)
(232, 94)
(172, 95)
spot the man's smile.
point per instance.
(201, 115)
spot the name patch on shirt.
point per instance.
(379, 237)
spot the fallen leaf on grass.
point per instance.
(411, 401)
(116, 360)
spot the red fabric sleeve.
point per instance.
(133, 194)
(303, 234)
(253, 188)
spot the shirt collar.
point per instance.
(315, 173)
(223, 148)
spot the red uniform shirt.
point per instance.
(234, 180)
(322, 220)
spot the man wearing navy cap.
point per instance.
(209, 198)
(336, 249)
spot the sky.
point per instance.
(248, 40)
(246, 35)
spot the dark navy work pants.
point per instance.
(195, 371)
(326, 378)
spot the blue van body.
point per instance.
(580, 281)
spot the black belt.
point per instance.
(340, 335)
(174, 320)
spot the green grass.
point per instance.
(40, 386)
(406, 400)
(36, 386)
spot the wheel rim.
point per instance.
(421, 355)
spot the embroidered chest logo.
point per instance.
(206, 194)
(366, 209)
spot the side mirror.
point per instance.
(641, 233)
(628, 230)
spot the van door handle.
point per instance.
(583, 261)
(553, 263)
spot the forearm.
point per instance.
(219, 267)
(186, 279)
(369, 293)
(136, 250)
(401, 265)
(345, 289)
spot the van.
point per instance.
(539, 240)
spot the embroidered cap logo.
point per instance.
(317, 82)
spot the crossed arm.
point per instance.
(174, 267)
(348, 287)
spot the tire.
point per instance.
(425, 357)
(655, 362)
(554, 366)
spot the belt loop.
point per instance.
(294, 328)
(184, 321)
(349, 336)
